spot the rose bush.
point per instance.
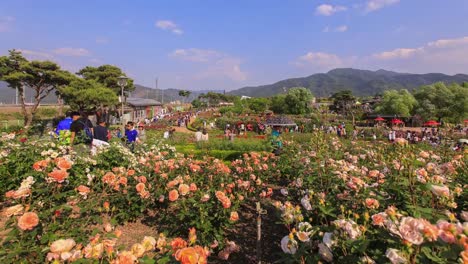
(373, 203)
(342, 202)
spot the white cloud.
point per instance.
(102, 40)
(320, 60)
(169, 25)
(216, 64)
(342, 28)
(374, 5)
(447, 43)
(6, 23)
(401, 53)
(328, 10)
(444, 55)
(197, 55)
(339, 29)
(73, 52)
(36, 55)
(95, 61)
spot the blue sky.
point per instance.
(214, 44)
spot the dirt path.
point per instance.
(184, 129)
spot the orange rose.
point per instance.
(173, 195)
(28, 221)
(142, 179)
(83, 190)
(191, 255)
(178, 243)
(140, 187)
(193, 187)
(126, 257)
(234, 216)
(63, 164)
(131, 172)
(58, 175)
(108, 177)
(184, 189)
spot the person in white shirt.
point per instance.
(198, 135)
(204, 136)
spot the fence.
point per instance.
(5, 124)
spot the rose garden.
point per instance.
(332, 200)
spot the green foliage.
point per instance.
(197, 103)
(441, 101)
(395, 102)
(42, 77)
(106, 75)
(88, 95)
(278, 104)
(257, 105)
(297, 101)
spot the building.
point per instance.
(141, 108)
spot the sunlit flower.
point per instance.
(395, 256)
(13, 210)
(138, 250)
(58, 175)
(178, 243)
(28, 221)
(173, 195)
(184, 189)
(410, 230)
(62, 245)
(234, 216)
(441, 191)
(288, 246)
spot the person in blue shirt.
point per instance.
(64, 124)
(131, 134)
(63, 129)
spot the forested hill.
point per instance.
(361, 82)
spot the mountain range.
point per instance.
(360, 82)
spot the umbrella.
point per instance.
(466, 121)
(397, 121)
(463, 140)
(431, 123)
(379, 119)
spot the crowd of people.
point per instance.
(78, 130)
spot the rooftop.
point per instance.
(135, 101)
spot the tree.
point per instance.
(297, 101)
(184, 93)
(258, 105)
(196, 103)
(396, 102)
(87, 95)
(42, 77)
(278, 104)
(106, 75)
(439, 101)
(343, 102)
